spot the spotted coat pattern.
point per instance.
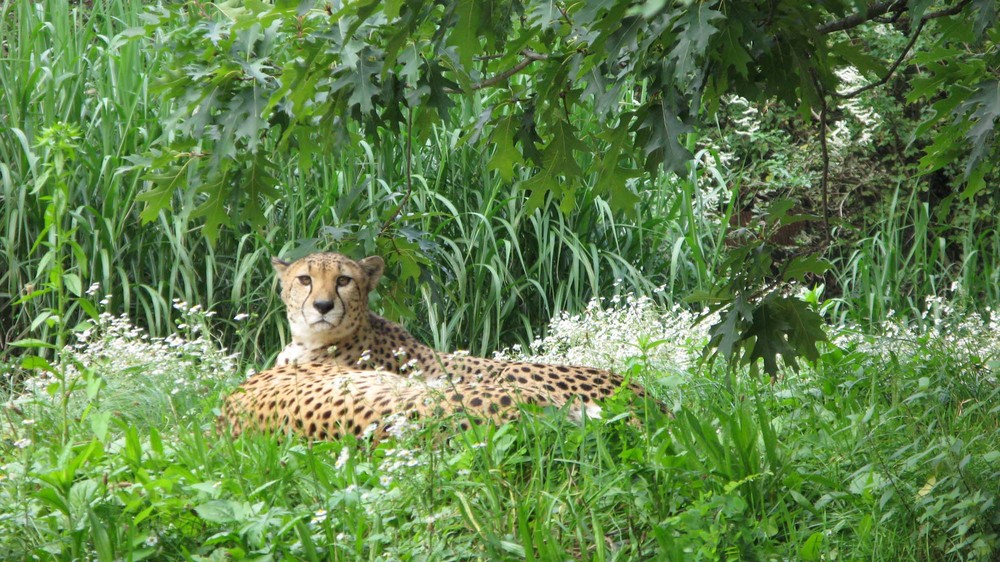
(326, 402)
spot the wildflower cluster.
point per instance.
(962, 338)
(860, 119)
(619, 333)
(123, 369)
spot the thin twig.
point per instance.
(892, 69)
(824, 181)
(529, 57)
(409, 173)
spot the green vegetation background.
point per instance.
(885, 449)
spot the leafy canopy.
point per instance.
(250, 77)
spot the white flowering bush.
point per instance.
(116, 367)
(625, 333)
(968, 341)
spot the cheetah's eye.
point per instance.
(343, 281)
(305, 280)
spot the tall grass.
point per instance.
(491, 272)
(911, 250)
(68, 66)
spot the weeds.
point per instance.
(837, 461)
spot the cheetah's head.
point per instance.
(326, 295)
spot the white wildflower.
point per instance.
(319, 517)
(345, 455)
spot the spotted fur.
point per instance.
(326, 296)
(326, 402)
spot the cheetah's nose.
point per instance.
(323, 306)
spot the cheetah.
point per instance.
(326, 299)
(323, 401)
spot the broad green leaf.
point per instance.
(32, 362)
(160, 196)
(613, 182)
(612, 179)
(733, 53)
(214, 209)
(73, 284)
(806, 328)
(218, 511)
(694, 29)
(812, 548)
(465, 34)
(558, 154)
(985, 110)
(769, 328)
(365, 90)
(802, 265)
(659, 129)
(505, 155)
(728, 332)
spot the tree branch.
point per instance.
(529, 57)
(874, 11)
(825, 179)
(879, 9)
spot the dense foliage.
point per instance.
(578, 99)
(887, 450)
(510, 169)
(296, 73)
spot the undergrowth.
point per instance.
(885, 450)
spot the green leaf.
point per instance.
(802, 265)
(854, 54)
(33, 362)
(787, 327)
(693, 29)
(558, 154)
(32, 343)
(612, 179)
(365, 89)
(806, 328)
(213, 208)
(218, 511)
(539, 185)
(985, 108)
(505, 155)
(160, 196)
(465, 34)
(768, 329)
(658, 131)
(726, 335)
(73, 284)
(733, 53)
(391, 9)
(613, 182)
(812, 549)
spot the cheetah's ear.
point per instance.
(373, 266)
(280, 265)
